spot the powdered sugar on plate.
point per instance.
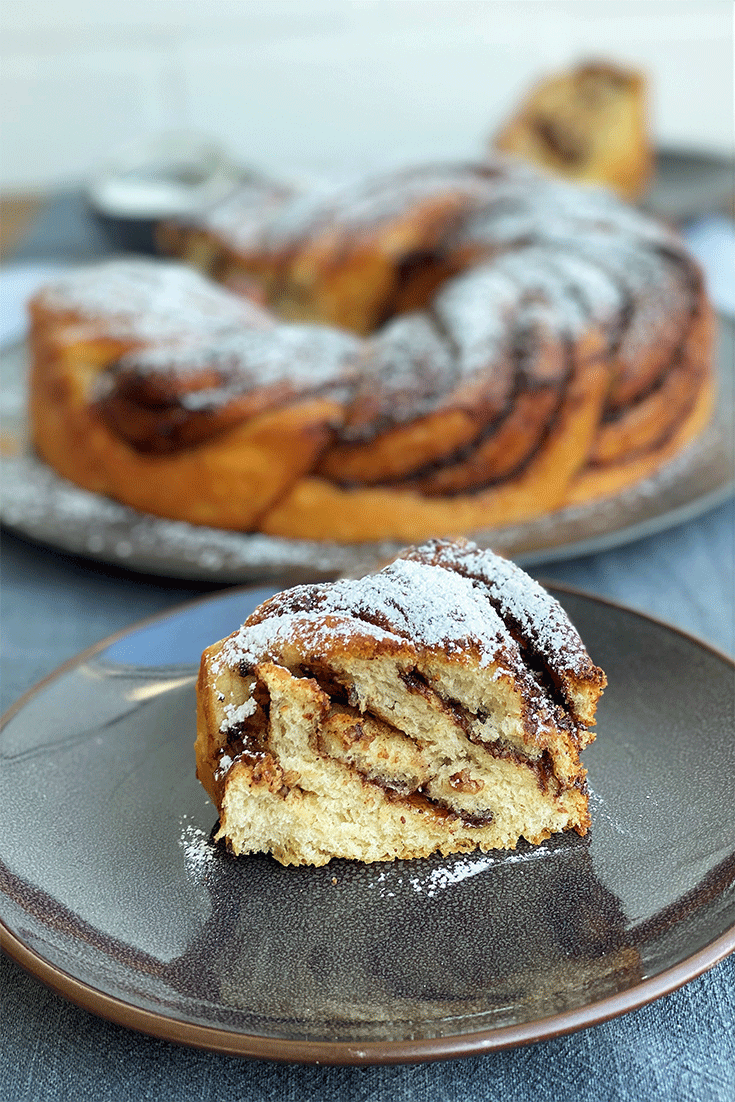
(433, 880)
(198, 848)
(141, 298)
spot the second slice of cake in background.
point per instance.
(588, 124)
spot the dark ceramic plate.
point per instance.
(36, 503)
(115, 896)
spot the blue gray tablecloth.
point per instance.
(681, 1047)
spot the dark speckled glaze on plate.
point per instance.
(113, 893)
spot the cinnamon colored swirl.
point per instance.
(422, 353)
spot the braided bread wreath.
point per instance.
(430, 352)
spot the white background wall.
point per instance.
(331, 85)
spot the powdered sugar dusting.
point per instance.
(542, 209)
(239, 219)
(236, 713)
(408, 600)
(437, 878)
(152, 300)
(475, 309)
(266, 641)
(198, 848)
(306, 358)
(406, 371)
(520, 600)
(353, 205)
(223, 766)
(542, 252)
(40, 504)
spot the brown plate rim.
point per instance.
(347, 1053)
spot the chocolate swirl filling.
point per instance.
(490, 404)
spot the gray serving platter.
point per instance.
(38, 504)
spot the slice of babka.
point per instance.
(589, 124)
(437, 705)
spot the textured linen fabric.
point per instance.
(680, 1048)
(650, 1054)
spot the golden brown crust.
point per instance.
(597, 482)
(226, 482)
